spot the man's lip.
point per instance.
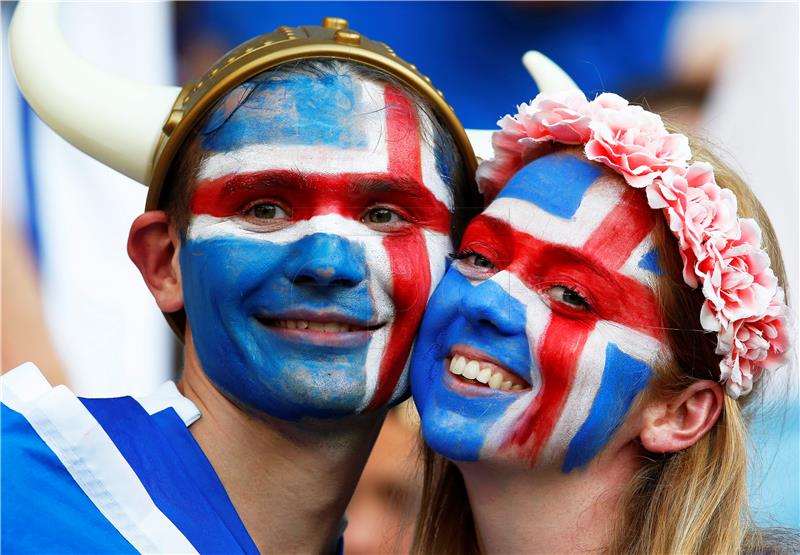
(274, 319)
(318, 328)
(477, 369)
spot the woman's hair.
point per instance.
(466, 199)
(692, 501)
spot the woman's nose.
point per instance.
(489, 305)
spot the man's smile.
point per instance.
(320, 328)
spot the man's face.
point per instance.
(541, 335)
(319, 228)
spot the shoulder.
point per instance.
(66, 485)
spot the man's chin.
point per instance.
(302, 395)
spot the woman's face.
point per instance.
(546, 326)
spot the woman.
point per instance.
(582, 369)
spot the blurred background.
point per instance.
(73, 303)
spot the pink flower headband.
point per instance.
(721, 253)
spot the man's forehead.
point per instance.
(333, 110)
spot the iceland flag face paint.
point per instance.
(319, 228)
(545, 329)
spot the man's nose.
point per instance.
(489, 306)
(324, 259)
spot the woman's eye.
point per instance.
(266, 211)
(480, 261)
(568, 296)
(381, 216)
(474, 259)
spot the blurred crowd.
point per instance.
(74, 304)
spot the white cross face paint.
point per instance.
(551, 300)
(320, 226)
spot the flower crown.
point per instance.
(744, 305)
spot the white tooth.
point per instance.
(281, 323)
(291, 324)
(496, 380)
(516, 387)
(302, 324)
(459, 363)
(506, 385)
(471, 370)
(454, 367)
(316, 326)
(484, 375)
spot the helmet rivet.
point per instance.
(334, 23)
(347, 37)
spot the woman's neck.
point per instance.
(289, 482)
(519, 510)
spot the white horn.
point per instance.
(110, 118)
(548, 76)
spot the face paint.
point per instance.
(552, 298)
(320, 227)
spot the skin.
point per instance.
(553, 289)
(311, 195)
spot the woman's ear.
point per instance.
(678, 422)
(154, 246)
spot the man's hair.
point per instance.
(183, 175)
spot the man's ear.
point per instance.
(678, 422)
(154, 246)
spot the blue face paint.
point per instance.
(649, 262)
(298, 109)
(556, 183)
(458, 314)
(624, 378)
(230, 283)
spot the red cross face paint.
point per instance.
(320, 228)
(546, 328)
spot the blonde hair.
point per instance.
(693, 501)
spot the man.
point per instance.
(300, 210)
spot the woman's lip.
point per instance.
(460, 387)
(486, 364)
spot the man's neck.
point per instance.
(519, 510)
(289, 482)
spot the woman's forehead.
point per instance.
(562, 199)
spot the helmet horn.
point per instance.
(548, 76)
(110, 118)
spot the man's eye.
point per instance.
(381, 216)
(266, 211)
(567, 296)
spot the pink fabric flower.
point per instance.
(697, 210)
(563, 118)
(633, 141)
(737, 280)
(753, 345)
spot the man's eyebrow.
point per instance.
(263, 180)
(408, 186)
